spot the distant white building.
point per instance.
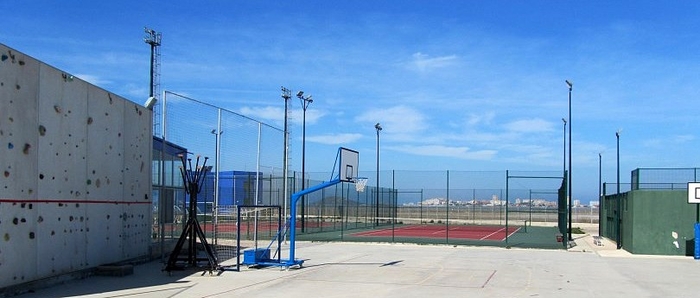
(435, 201)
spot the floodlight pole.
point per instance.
(617, 137)
(305, 102)
(564, 120)
(286, 95)
(619, 211)
(600, 190)
(153, 38)
(377, 127)
(570, 182)
(217, 164)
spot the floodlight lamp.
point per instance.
(309, 99)
(150, 102)
(571, 85)
(563, 120)
(300, 94)
(377, 126)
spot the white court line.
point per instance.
(489, 235)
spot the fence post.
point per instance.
(507, 178)
(447, 211)
(394, 199)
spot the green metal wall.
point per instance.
(649, 220)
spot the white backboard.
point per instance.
(694, 192)
(349, 164)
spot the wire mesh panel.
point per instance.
(245, 228)
(246, 156)
(659, 178)
(446, 207)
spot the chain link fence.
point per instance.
(247, 159)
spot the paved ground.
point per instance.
(399, 270)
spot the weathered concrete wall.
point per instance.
(74, 173)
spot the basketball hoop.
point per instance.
(360, 183)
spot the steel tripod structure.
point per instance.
(193, 179)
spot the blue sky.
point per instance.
(456, 85)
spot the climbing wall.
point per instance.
(75, 173)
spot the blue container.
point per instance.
(255, 256)
(697, 241)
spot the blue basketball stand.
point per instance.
(348, 166)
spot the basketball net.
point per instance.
(360, 184)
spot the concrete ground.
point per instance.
(402, 270)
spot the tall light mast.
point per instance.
(153, 38)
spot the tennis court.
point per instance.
(472, 232)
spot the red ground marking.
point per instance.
(19, 201)
(494, 233)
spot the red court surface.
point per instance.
(263, 225)
(492, 233)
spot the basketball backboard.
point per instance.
(694, 192)
(349, 164)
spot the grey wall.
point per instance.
(74, 173)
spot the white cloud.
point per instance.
(485, 118)
(335, 139)
(530, 125)
(446, 151)
(312, 116)
(662, 142)
(423, 62)
(264, 113)
(93, 79)
(683, 138)
(398, 120)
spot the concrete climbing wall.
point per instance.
(74, 173)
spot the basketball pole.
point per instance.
(378, 127)
(292, 219)
(350, 175)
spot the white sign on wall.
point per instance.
(694, 192)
